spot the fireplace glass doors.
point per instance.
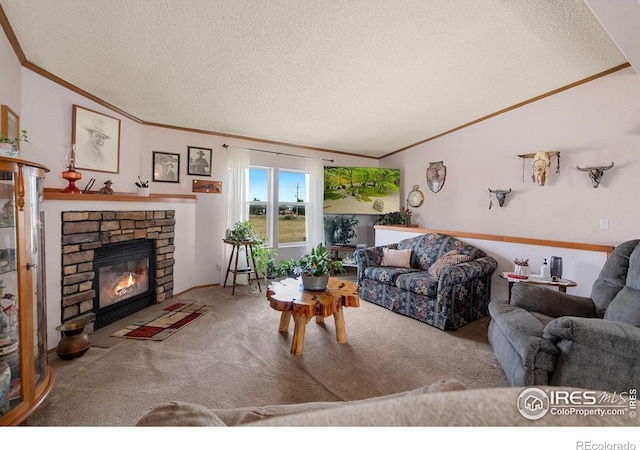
(123, 280)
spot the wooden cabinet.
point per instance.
(25, 376)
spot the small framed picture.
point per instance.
(199, 161)
(97, 140)
(9, 124)
(166, 167)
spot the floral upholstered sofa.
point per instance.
(434, 278)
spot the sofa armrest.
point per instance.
(525, 334)
(550, 302)
(369, 257)
(595, 353)
(466, 271)
(615, 338)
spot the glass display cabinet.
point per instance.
(25, 376)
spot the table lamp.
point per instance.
(71, 175)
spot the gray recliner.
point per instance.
(546, 337)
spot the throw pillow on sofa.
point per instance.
(452, 258)
(396, 258)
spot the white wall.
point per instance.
(184, 275)
(592, 124)
(9, 76)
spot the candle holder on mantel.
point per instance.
(71, 175)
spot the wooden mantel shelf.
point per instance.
(57, 194)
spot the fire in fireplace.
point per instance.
(123, 280)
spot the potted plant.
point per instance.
(316, 267)
(9, 147)
(401, 217)
(288, 268)
(339, 230)
(243, 231)
(266, 264)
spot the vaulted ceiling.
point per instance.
(365, 77)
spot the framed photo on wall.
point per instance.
(166, 167)
(199, 161)
(97, 140)
(9, 124)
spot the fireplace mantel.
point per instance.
(57, 194)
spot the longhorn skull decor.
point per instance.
(595, 173)
(540, 165)
(500, 196)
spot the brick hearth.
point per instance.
(84, 231)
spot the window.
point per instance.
(292, 193)
(280, 218)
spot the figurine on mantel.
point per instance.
(107, 188)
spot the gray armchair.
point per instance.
(546, 337)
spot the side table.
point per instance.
(562, 284)
(248, 251)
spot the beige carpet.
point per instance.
(234, 356)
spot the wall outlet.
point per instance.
(218, 266)
(604, 224)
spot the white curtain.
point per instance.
(315, 213)
(237, 189)
(237, 185)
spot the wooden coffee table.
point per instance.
(289, 297)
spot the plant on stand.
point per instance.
(243, 231)
(339, 230)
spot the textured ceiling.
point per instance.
(357, 76)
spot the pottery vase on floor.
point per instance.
(75, 341)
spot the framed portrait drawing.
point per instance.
(9, 124)
(97, 140)
(199, 161)
(166, 167)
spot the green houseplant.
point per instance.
(339, 230)
(401, 217)
(243, 231)
(316, 267)
(266, 264)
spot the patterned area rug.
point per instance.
(168, 321)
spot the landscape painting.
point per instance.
(361, 190)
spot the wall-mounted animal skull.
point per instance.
(500, 196)
(540, 165)
(595, 173)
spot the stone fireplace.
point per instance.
(115, 263)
